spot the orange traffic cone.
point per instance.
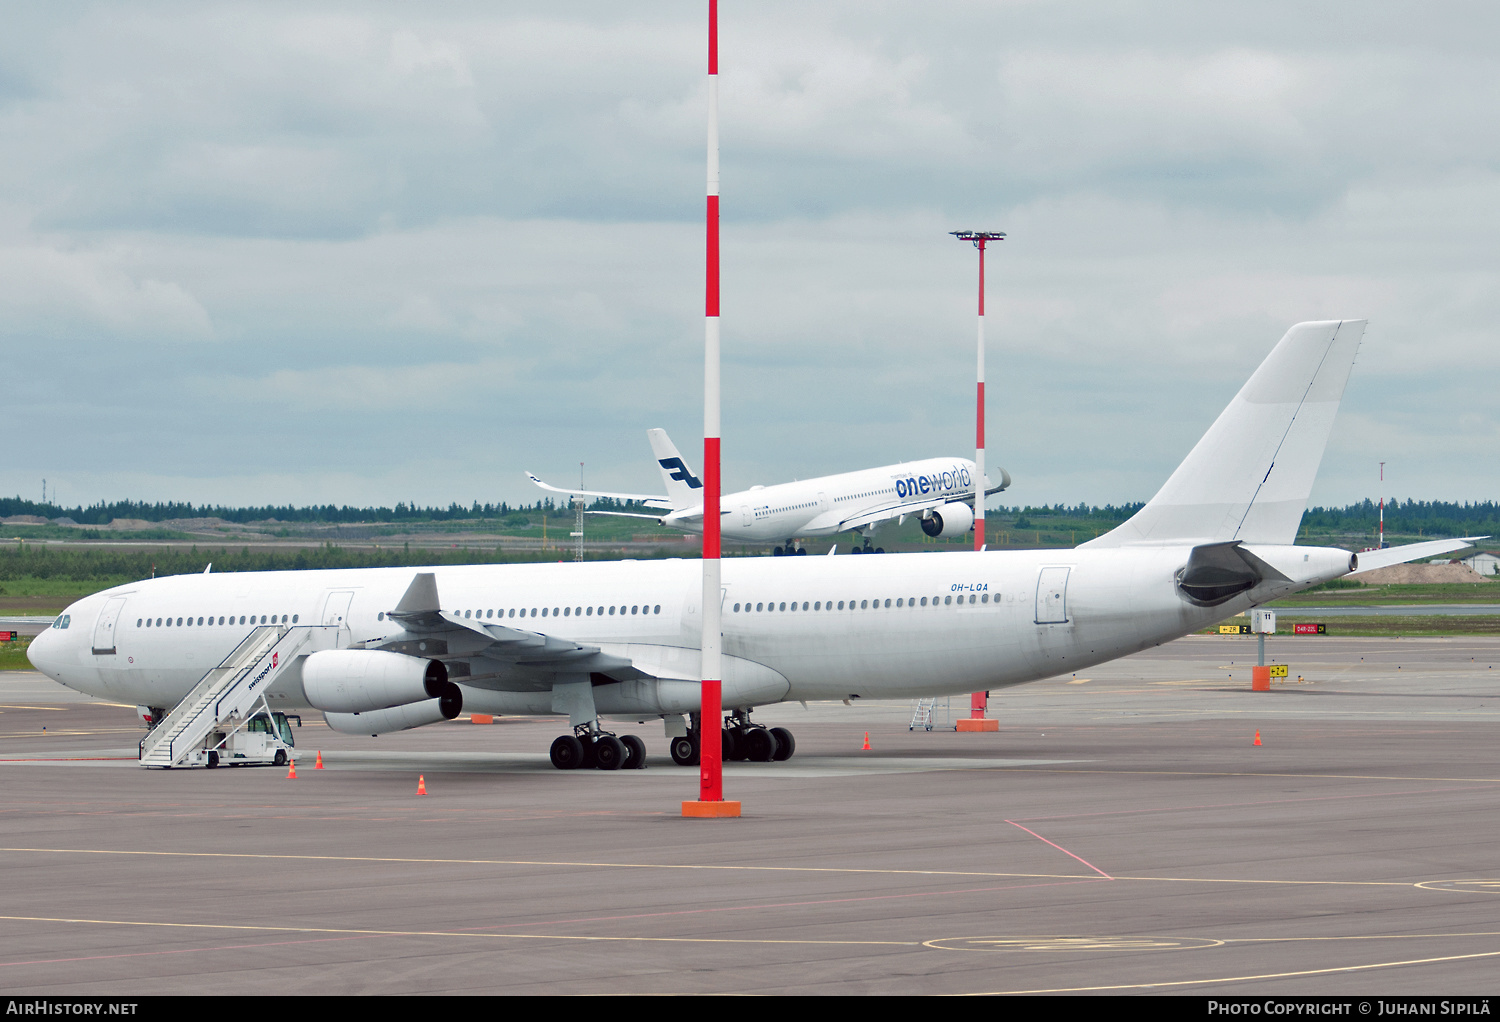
(291, 774)
(319, 764)
(867, 742)
(421, 784)
(1257, 738)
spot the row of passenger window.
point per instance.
(913, 601)
(622, 610)
(184, 622)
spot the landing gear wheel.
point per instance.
(855, 550)
(213, 760)
(880, 550)
(760, 745)
(635, 752)
(684, 751)
(609, 752)
(802, 551)
(785, 744)
(279, 759)
(567, 753)
(778, 552)
(730, 746)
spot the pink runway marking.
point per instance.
(1060, 848)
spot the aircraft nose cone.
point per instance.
(43, 653)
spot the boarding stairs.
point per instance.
(228, 694)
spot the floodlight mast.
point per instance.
(979, 239)
(979, 700)
(1380, 539)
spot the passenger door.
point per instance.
(1052, 596)
(104, 628)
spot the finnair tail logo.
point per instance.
(680, 472)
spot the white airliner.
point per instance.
(384, 649)
(940, 491)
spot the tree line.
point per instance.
(104, 513)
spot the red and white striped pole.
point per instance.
(979, 700)
(710, 759)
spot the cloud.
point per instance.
(50, 290)
(454, 241)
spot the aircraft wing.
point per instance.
(488, 654)
(626, 514)
(908, 507)
(1373, 559)
(649, 500)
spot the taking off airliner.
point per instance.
(939, 491)
(384, 649)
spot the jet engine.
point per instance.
(949, 520)
(356, 681)
(398, 718)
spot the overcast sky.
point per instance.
(361, 253)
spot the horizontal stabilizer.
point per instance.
(1373, 559)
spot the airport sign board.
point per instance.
(1310, 629)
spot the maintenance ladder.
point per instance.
(925, 714)
(227, 694)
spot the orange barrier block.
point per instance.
(711, 810)
(1260, 679)
(481, 718)
(970, 724)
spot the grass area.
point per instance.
(66, 588)
(1344, 596)
(13, 656)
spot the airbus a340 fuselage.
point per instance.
(402, 647)
(902, 625)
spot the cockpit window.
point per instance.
(63, 620)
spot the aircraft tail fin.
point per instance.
(1249, 477)
(683, 488)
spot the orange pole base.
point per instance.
(1260, 679)
(970, 724)
(711, 810)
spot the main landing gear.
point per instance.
(742, 739)
(590, 747)
(790, 550)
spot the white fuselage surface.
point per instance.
(902, 625)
